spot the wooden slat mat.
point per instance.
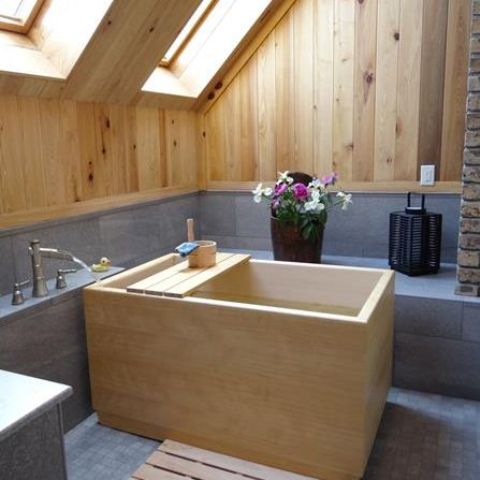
(177, 461)
(180, 280)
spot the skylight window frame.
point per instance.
(28, 10)
(190, 34)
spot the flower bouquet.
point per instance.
(299, 205)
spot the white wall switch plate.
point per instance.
(427, 175)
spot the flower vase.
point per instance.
(289, 245)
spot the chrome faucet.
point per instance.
(37, 253)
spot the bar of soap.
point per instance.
(186, 248)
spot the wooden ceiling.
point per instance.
(94, 50)
(106, 50)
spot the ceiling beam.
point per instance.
(126, 47)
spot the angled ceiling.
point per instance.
(106, 51)
(128, 44)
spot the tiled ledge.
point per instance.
(125, 234)
(24, 398)
(75, 281)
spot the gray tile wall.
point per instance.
(437, 346)
(235, 221)
(49, 342)
(35, 451)
(125, 236)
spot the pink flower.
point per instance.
(330, 179)
(280, 189)
(300, 191)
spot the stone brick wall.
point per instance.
(469, 243)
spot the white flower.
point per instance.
(261, 192)
(316, 184)
(345, 199)
(314, 205)
(315, 195)
(283, 177)
(257, 193)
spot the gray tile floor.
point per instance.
(95, 452)
(421, 437)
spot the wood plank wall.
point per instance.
(59, 152)
(371, 89)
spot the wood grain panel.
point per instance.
(215, 139)
(55, 153)
(267, 151)
(456, 74)
(371, 89)
(180, 139)
(303, 85)
(408, 89)
(249, 121)
(11, 166)
(364, 82)
(37, 187)
(434, 37)
(284, 102)
(388, 37)
(344, 48)
(323, 20)
(233, 154)
(147, 122)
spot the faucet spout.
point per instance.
(56, 254)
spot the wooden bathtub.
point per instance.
(282, 364)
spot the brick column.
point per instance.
(468, 272)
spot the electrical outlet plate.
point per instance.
(427, 175)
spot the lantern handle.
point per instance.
(409, 197)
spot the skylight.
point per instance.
(18, 15)
(215, 31)
(188, 30)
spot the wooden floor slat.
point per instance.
(147, 472)
(175, 461)
(190, 467)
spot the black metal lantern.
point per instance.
(415, 240)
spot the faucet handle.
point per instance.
(61, 282)
(17, 297)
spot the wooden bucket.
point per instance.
(204, 256)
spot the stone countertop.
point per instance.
(439, 286)
(24, 398)
(75, 281)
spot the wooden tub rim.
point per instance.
(385, 276)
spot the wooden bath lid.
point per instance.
(180, 280)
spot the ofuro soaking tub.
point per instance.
(283, 364)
